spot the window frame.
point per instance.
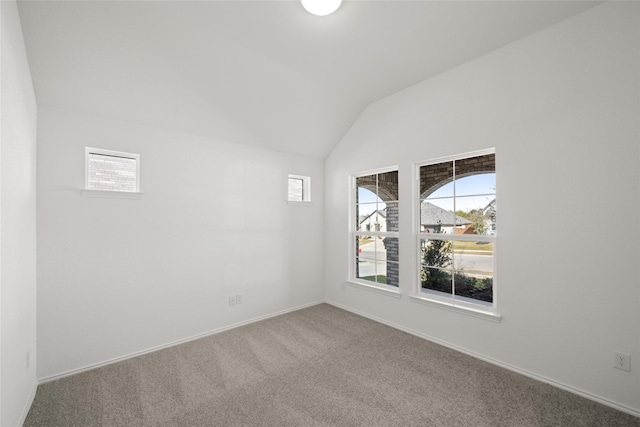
(306, 189)
(383, 288)
(433, 298)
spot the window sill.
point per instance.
(388, 290)
(452, 306)
(303, 203)
(112, 194)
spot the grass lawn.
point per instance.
(364, 240)
(381, 279)
(472, 246)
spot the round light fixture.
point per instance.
(321, 7)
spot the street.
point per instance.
(468, 262)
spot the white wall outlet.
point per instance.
(232, 300)
(239, 299)
(622, 361)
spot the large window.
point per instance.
(457, 230)
(374, 229)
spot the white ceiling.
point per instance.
(262, 73)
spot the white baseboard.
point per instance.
(541, 378)
(171, 344)
(28, 403)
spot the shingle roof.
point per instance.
(431, 214)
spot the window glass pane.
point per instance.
(392, 216)
(367, 247)
(477, 214)
(388, 186)
(367, 196)
(381, 272)
(474, 286)
(367, 188)
(436, 216)
(111, 173)
(434, 179)
(365, 216)
(389, 249)
(483, 183)
(436, 253)
(392, 277)
(376, 271)
(473, 257)
(366, 269)
(296, 189)
(475, 166)
(436, 279)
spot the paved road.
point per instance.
(474, 263)
(368, 252)
(471, 263)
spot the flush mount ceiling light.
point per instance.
(321, 7)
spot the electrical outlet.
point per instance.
(622, 361)
(232, 300)
(239, 299)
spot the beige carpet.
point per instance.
(320, 366)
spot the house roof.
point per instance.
(261, 73)
(490, 208)
(431, 214)
(382, 213)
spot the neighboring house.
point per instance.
(489, 213)
(433, 217)
(489, 219)
(375, 221)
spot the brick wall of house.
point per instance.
(437, 175)
(111, 173)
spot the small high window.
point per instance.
(108, 170)
(299, 188)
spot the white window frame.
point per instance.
(306, 189)
(453, 303)
(97, 192)
(353, 233)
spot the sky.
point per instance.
(465, 187)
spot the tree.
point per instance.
(436, 253)
(476, 216)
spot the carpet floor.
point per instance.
(319, 366)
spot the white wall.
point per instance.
(561, 107)
(17, 224)
(119, 276)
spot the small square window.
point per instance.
(108, 170)
(299, 188)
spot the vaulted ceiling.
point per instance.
(262, 73)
